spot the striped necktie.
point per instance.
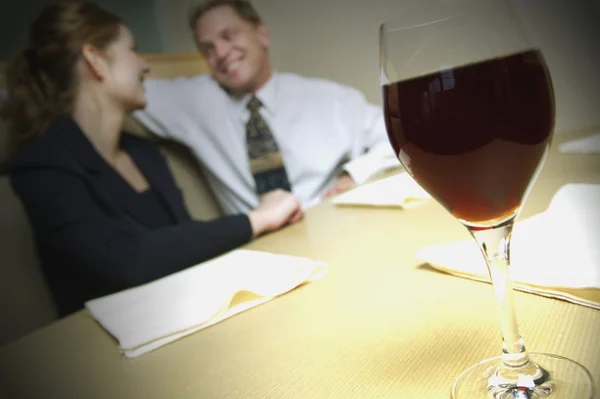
(266, 162)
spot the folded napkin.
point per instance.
(149, 316)
(395, 191)
(585, 145)
(550, 252)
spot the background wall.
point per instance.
(17, 15)
(337, 39)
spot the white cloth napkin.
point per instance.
(149, 316)
(395, 191)
(584, 145)
(555, 249)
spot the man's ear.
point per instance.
(264, 35)
(94, 60)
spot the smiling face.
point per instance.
(236, 50)
(125, 71)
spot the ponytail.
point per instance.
(29, 108)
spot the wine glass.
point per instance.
(469, 111)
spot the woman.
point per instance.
(104, 207)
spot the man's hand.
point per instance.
(344, 183)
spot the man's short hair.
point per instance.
(243, 9)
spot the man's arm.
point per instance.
(166, 113)
(372, 152)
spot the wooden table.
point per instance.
(378, 325)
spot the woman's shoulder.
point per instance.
(42, 150)
(49, 148)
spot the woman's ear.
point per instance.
(94, 60)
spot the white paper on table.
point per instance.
(584, 145)
(399, 190)
(149, 316)
(555, 249)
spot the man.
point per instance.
(255, 130)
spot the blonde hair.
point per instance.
(243, 9)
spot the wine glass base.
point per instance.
(558, 377)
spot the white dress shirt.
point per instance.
(322, 128)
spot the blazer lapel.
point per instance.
(108, 185)
(157, 173)
(93, 167)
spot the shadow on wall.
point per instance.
(139, 15)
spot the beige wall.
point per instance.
(337, 39)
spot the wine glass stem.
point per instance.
(495, 246)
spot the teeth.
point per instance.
(233, 66)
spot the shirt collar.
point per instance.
(266, 94)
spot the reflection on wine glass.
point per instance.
(469, 110)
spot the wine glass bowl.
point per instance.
(496, 115)
(469, 111)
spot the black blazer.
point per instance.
(90, 239)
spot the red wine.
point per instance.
(474, 136)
